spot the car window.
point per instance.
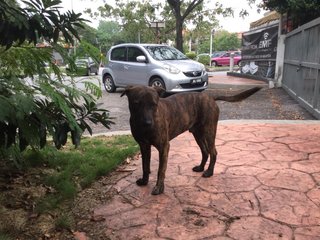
(165, 53)
(133, 53)
(81, 61)
(118, 54)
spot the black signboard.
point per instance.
(259, 51)
(258, 45)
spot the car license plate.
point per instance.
(194, 81)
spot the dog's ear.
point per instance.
(126, 91)
(161, 92)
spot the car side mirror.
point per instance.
(142, 59)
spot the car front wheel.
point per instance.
(108, 83)
(157, 82)
(214, 64)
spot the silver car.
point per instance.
(152, 65)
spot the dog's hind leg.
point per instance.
(204, 153)
(207, 145)
(213, 158)
(146, 154)
(163, 160)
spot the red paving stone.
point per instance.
(266, 186)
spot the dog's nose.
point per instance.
(147, 122)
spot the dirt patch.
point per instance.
(19, 199)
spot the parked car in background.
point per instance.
(223, 58)
(84, 66)
(152, 65)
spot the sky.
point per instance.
(231, 24)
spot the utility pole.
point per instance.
(211, 39)
(157, 26)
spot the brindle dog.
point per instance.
(155, 121)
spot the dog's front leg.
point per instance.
(146, 154)
(163, 159)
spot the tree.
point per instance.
(302, 11)
(223, 41)
(33, 102)
(36, 19)
(132, 20)
(181, 11)
(86, 49)
(108, 34)
(136, 17)
(88, 34)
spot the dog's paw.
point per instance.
(207, 173)
(198, 169)
(141, 182)
(158, 190)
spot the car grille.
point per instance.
(193, 85)
(193, 73)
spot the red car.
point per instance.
(224, 59)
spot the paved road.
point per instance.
(270, 104)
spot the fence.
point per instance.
(301, 71)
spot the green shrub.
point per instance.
(204, 59)
(36, 100)
(191, 55)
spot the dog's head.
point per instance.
(143, 103)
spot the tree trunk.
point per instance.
(179, 34)
(176, 8)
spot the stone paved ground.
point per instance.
(266, 186)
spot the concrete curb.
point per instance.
(258, 121)
(221, 122)
(109, 134)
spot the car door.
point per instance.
(225, 59)
(118, 60)
(136, 72)
(92, 65)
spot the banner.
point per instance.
(259, 52)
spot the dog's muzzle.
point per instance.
(147, 122)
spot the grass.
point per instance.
(64, 222)
(75, 169)
(5, 237)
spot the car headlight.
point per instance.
(171, 69)
(203, 69)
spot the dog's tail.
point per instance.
(238, 97)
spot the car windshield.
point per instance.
(81, 61)
(162, 53)
(218, 54)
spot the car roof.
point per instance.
(140, 44)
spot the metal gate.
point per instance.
(301, 72)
